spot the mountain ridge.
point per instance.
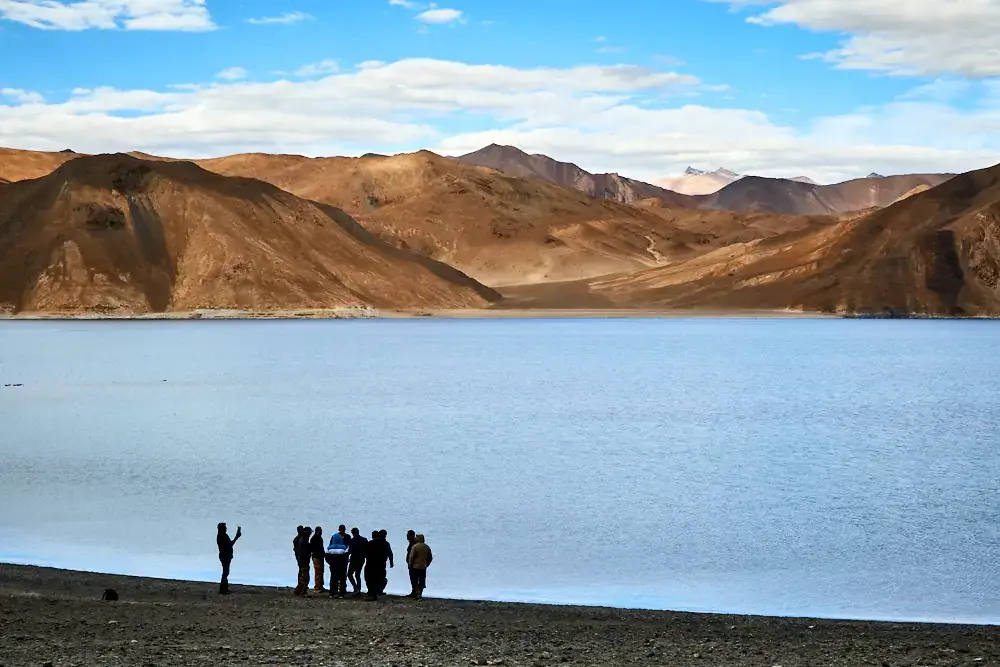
(114, 233)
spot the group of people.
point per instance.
(349, 556)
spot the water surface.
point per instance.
(797, 467)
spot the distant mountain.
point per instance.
(514, 161)
(935, 252)
(116, 234)
(18, 165)
(497, 227)
(698, 182)
(777, 195)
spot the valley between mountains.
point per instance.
(133, 234)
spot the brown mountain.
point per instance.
(496, 227)
(113, 233)
(19, 165)
(514, 161)
(935, 252)
(777, 195)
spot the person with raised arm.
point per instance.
(226, 554)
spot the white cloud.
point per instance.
(404, 3)
(625, 119)
(903, 37)
(184, 15)
(22, 96)
(232, 74)
(439, 16)
(321, 68)
(290, 17)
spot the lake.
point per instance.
(831, 468)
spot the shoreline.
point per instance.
(160, 621)
(419, 313)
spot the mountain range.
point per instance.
(140, 233)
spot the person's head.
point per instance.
(300, 529)
(342, 529)
(383, 533)
(410, 535)
(355, 532)
(222, 527)
(419, 538)
(319, 531)
(307, 531)
(375, 534)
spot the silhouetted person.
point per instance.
(418, 560)
(384, 534)
(375, 565)
(358, 551)
(317, 551)
(336, 555)
(226, 554)
(410, 540)
(303, 554)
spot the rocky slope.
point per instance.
(113, 233)
(514, 161)
(776, 195)
(935, 252)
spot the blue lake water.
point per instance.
(834, 468)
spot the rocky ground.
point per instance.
(54, 617)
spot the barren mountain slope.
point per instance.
(20, 165)
(754, 193)
(514, 161)
(498, 228)
(936, 252)
(112, 233)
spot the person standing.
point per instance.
(410, 541)
(418, 560)
(375, 565)
(318, 552)
(226, 554)
(384, 535)
(358, 551)
(303, 556)
(336, 555)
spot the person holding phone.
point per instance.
(226, 554)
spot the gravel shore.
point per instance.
(56, 617)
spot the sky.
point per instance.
(830, 89)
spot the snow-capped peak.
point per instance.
(691, 171)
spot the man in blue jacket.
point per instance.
(336, 556)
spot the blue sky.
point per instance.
(827, 88)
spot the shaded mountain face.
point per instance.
(113, 233)
(516, 162)
(498, 228)
(754, 193)
(934, 252)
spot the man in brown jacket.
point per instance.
(418, 560)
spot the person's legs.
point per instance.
(318, 567)
(420, 583)
(342, 563)
(224, 584)
(303, 587)
(354, 576)
(413, 582)
(376, 582)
